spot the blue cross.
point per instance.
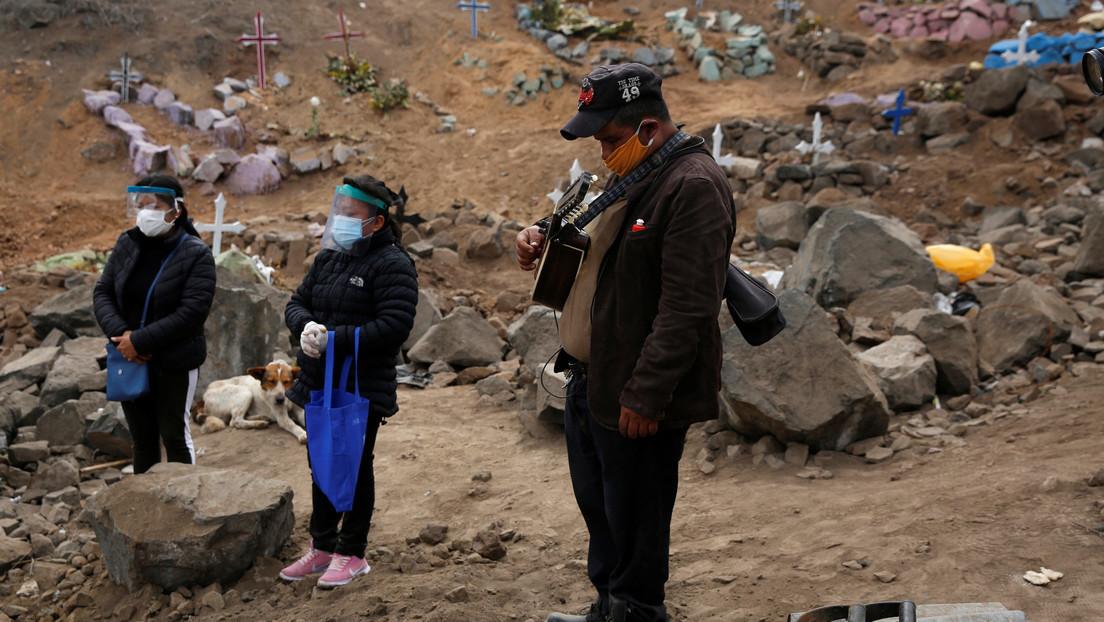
(474, 7)
(898, 112)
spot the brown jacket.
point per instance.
(655, 344)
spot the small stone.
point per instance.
(1097, 479)
(852, 564)
(482, 476)
(457, 595)
(885, 576)
(876, 455)
(433, 533)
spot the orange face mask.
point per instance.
(626, 157)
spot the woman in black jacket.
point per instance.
(364, 279)
(171, 341)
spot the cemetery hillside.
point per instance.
(919, 183)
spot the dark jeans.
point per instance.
(626, 491)
(162, 417)
(352, 536)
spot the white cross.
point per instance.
(787, 7)
(723, 160)
(1021, 56)
(576, 170)
(816, 146)
(219, 227)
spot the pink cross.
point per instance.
(260, 40)
(344, 34)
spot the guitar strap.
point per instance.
(622, 186)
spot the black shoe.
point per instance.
(593, 615)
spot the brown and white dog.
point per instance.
(252, 401)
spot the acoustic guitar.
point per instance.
(565, 246)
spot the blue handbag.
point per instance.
(336, 424)
(129, 380)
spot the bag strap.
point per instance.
(350, 361)
(157, 276)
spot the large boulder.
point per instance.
(426, 315)
(70, 312)
(244, 329)
(183, 525)
(783, 224)
(826, 401)
(1090, 256)
(950, 340)
(996, 91)
(905, 371)
(1024, 322)
(29, 369)
(884, 306)
(110, 434)
(940, 118)
(462, 339)
(534, 336)
(63, 381)
(64, 424)
(848, 252)
(1042, 121)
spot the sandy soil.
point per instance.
(749, 543)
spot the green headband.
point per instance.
(359, 195)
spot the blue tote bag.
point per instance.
(336, 423)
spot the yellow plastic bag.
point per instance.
(965, 262)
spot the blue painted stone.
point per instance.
(994, 61)
(710, 70)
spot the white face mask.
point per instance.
(151, 222)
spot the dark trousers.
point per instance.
(162, 417)
(351, 538)
(626, 491)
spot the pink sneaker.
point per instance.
(342, 570)
(313, 562)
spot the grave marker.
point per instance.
(125, 77)
(260, 40)
(1021, 56)
(344, 35)
(218, 227)
(897, 112)
(475, 8)
(723, 160)
(787, 7)
(816, 147)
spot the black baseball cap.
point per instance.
(606, 89)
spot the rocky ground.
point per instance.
(971, 497)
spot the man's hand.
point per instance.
(633, 425)
(528, 243)
(126, 348)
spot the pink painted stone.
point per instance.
(939, 34)
(979, 29)
(1000, 26)
(998, 11)
(900, 27)
(938, 24)
(255, 174)
(96, 101)
(981, 7)
(114, 115)
(867, 17)
(949, 13)
(918, 32)
(919, 19)
(882, 25)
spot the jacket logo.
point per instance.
(356, 281)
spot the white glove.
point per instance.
(313, 340)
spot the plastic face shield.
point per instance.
(149, 197)
(350, 211)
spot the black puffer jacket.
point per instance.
(178, 307)
(377, 292)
